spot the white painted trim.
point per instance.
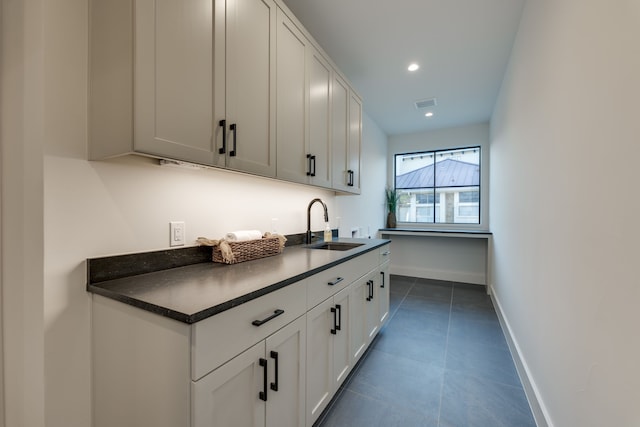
(538, 408)
(428, 273)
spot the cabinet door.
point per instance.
(250, 85)
(320, 322)
(355, 142)
(383, 293)
(358, 328)
(339, 132)
(229, 396)
(173, 79)
(341, 350)
(286, 353)
(319, 123)
(291, 47)
(372, 321)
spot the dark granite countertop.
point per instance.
(191, 293)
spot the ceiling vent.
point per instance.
(426, 103)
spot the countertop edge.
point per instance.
(435, 231)
(101, 288)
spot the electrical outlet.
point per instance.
(176, 233)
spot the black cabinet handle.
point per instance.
(369, 290)
(335, 321)
(382, 273)
(339, 309)
(371, 294)
(234, 128)
(335, 282)
(350, 178)
(312, 165)
(223, 125)
(263, 393)
(263, 321)
(274, 356)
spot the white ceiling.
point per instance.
(462, 47)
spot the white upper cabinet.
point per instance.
(238, 84)
(303, 109)
(173, 73)
(346, 110)
(355, 142)
(291, 114)
(151, 79)
(319, 91)
(245, 139)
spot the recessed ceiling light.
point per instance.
(413, 67)
(429, 114)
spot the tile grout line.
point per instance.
(446, 349)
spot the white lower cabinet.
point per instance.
(263, 386)
(275, 361)
(372, 321)
(358, 332)
(329, 359)
(365, 322)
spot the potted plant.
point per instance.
(392, 197)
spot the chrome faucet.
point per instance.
(326, 217)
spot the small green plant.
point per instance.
(392, 198)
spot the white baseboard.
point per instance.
(539, 410)
(428, 273)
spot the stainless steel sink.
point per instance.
(336, 246)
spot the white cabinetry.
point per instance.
(151, 85)
(292, 98)
(329, 359)
(263, 386)
(245, 136)
(319, 123)
(341, 327)
(237, 84)
(303, 109)
(346, 141)
(274, 361)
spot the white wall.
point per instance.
(461, 260)
(59, 209)
(564, 207)
(374, 177)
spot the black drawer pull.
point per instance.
(263, 394)
(263, 321)
(274, 356)
(335, 282)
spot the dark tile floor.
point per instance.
(440, 361)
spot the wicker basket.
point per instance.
(250, 249)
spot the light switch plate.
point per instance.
(176, 233)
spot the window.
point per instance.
(441, 186)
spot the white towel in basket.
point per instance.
(243, 235)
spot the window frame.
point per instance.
(481, 193)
